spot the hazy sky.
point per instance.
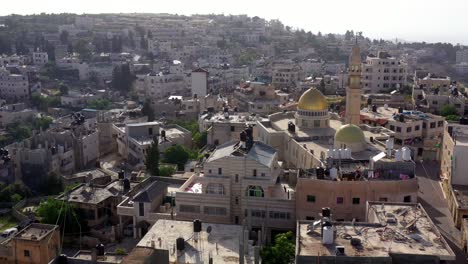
(414, 20)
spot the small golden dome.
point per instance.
(349, 134)
(312, 100)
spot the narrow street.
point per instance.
(432, 199)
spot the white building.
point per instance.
(40, 58)
(462, 56)
(199, 82)
(75, 64)
(13, 86)
(15, 113)
(383, 73)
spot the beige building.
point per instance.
(13, 87)
(35, 244)
(421, 132)
(259, 98)
(383, 73)
(432, 92)
(241, 183)
(402, 233)
(134, 139)
(15, 113)
(224, 127)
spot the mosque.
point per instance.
(308, 137)
(340, 163)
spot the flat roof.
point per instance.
(390, 113)
(35, 231)
(222, 243)
(96, 194)
(397, 228)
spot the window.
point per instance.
(398, 129)
(416, 128)
(220, 171)
(440, 123)
(141, 207)
(209, 171)
(392, 128)
(280, 215)
(255, 191)
(215, 188)
(26, 253)
(383, 199)
(408, 129)
(150, 131)
(316, 123)
(356, 200)
(407, 199)
(262, 174)
(339, 200)
(236, 220)
(311, 198)
(258, 213)
(211, 210)
(233, 128)
(189, 208)
(237, 177)
(433, 124)
(255, 173)
(424, 125)
(237, 200)
(310, 218)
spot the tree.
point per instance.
(99, 104)
(282, 251)
(55, 211)
(166, 171)
(81, 47)
(64, 37)
(177, 154)
(447, 110)
(122, 78)
(120, 251)
(152, 158)
(147, 110)
(63, 89)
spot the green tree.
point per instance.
(99, 104)
(81, 47)
(166, 171)
(55, 211)
(63, 89)
(447, 110)
(200, 139)
(152, 158)
(177, 154)
(64, 37)
(120, 251)
(122, 78)
(147, 110)
(282, 251)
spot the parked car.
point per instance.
(9, 232)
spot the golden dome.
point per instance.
(312, 100)
(349, 134)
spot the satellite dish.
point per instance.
(208, 229)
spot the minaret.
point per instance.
(353, 91)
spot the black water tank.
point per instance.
(62, 259)
(163, 133)
(100, 249)
(374, 108)
(371, 139)
(243, 136)
(126, 184)
(320, 172)
(326, 212)
(401, 118)
(197, 225)
(180, 243)
(121, 174)
(400, 110)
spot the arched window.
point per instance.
(255, 191)
(215, 188)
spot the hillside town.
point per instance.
(159, 138)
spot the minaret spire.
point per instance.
(353, 91)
